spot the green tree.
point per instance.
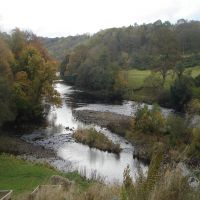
(181, 92)
(7, 111)
(150, 120)
(165, 46)
(17, 42)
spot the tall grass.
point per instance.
(96, 139)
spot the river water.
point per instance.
(73, 156)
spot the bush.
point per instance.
(119, 127)
(150, 120)
(177, 129)
(161, 183)
(194, 150)
(96, 139)
(193, 107)
(181, 92)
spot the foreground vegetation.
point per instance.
(22, 176)
(96, 139)
(161, 183)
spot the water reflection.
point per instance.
(107, 165)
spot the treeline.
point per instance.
(159, 46)
(59, 47)
(140, 46)
(26, 76)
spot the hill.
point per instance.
(59, 47)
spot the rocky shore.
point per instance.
(17, 146)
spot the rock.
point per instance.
(193, 182)
(67, 128)
(183, 169)
(59, 180)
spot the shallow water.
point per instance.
(75, 156)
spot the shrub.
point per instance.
(127, 189)
(176, 128)
(193, 107)
(119, 127)
(194, 150)
(181, 92)
(150, 120)
(96, 139)
(160, 184)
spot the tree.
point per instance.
(150, 120)
(7, 106)
(181, 92)
(63, 66)
(7, 111)
(17, 42)
(166, 48)
(33, 83)
(6, 59)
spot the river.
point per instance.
(73, 156)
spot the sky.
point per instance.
(57, 18)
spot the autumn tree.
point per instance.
(33, 83)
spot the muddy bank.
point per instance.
(17, 146)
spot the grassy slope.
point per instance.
(22, 176)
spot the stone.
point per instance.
(193, 182)
(59, 180)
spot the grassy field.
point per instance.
(136, 79)
(195, 71)
(22, 176)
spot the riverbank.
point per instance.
(17, 146)
(96, 140)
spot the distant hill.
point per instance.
(58, 47)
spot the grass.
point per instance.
(96, 139)
(195, 71)
(136, 79)
(22, 176)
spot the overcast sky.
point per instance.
(55, 18)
